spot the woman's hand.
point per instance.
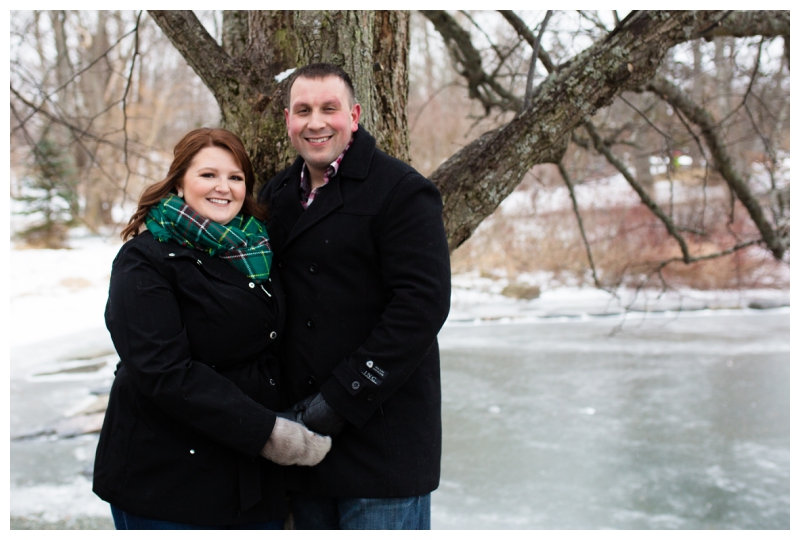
(292, 444)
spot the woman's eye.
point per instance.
(237, 178)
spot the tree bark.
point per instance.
(371, 46)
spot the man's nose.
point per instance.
(316, 121)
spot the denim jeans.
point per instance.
(316, 512)
(124, 521)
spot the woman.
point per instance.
(189, 438)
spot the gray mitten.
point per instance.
(292, 444)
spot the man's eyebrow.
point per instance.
(332, 101)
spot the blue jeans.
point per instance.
(328, 513)
(125, 521)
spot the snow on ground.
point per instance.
(59, 292)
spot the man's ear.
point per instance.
(286, 117)
(355, 115)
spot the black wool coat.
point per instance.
(191, 405)
(366, 269)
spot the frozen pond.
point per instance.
(673, 423)
(670, 424)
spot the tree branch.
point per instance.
(464, 53)
(476, 179)
(750, 23)
(211, 63)
(532, 70)
(775, 240)
(526, 34)
(645, 198)
(568, 181)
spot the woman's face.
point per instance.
(213, 185)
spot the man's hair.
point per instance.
(320, 71)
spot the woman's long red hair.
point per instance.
(184, 153)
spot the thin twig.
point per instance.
(125, 110)
(532, 69)
(565, 176)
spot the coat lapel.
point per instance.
(326, 201)
(287, 209)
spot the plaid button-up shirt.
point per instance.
(306, 193)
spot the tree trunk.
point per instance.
(371, 46)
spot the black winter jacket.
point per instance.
(190, 407)
(366, 269)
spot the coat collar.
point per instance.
(172, 251)
(358, 158)
(354, 166)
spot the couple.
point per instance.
(254, 383)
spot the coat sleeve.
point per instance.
(414, 262)
(144, 320)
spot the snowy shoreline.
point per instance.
(65, 291)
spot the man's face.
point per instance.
(321, 120)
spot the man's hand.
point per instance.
(315, 413)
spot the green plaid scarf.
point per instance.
(243, 242)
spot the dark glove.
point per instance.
(315, 413)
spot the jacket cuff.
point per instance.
(350, 394)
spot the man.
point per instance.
(360, 246)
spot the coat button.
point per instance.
(273, 334)
(280, 264)
(171, 254)
(272, 382)
(191, 451)
(199, 261)
(356, 385)
(251, 285)
(310, 323)
(370, 397)
(311, 380)
(313, 268)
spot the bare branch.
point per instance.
(769, 24)
(125, 108)
(526, 34)
(776, 240)
(568, 181)
(464, 54)
(532, 69)
(37, 108)
(211, 63)
(477, 178)
(645, 198)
